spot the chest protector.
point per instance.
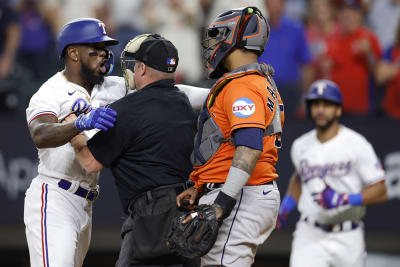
(209, 136)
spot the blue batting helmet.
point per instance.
(83, 31)
(325, 90)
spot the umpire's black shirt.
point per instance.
(151, 141)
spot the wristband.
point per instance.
(355, 199)
(226, 202)
(288, 204)
(79, 124)
(235, 181)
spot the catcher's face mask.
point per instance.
(151, 49)
(128, 60)
(237, 28)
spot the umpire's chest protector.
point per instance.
(210, 137)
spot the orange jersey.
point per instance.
(243, 102)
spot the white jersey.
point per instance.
(347, 163)
(56, 97)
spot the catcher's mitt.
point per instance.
(195, 238)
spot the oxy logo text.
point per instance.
(243, 107)
(240, 108)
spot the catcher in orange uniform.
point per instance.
(236, 147)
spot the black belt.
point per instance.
(91, 194)
(208, 187)
(149, 195)
(338, 227)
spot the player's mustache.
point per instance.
(320, 115)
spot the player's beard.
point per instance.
(327, 124)
(90, 76)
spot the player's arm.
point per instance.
(248, 136)
(82, 152)
(374, 194)
(289, 202)
(294, 188)
(47, 132)
(369, 169)
(196, 95)
(84, 156)
(243, 163)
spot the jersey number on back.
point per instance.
(278, 142)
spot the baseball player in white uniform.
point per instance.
(58, 203)
(337, 174)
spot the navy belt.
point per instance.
(91, 194)
(211, 186)
(338, 227)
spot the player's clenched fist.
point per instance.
(80, 106)
(100, 118)
(330, 199)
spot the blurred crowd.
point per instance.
(354, 43)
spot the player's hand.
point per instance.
(100, 118)
(219, 211)
(187, 198)
(80, 106)
(330, 199)
(287, 205)
(281, 220)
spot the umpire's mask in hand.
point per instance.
(151, 49)
(128, 60)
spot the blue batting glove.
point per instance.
(287, 205)
(80, 106)
(100, 118)
(330, 199)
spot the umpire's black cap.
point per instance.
(158, 53)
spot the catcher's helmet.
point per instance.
(83, 31)
(326, 90)
(244, 27)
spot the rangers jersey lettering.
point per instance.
(347, 163)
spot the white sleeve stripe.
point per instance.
(41, 114)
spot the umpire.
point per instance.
(148, 150)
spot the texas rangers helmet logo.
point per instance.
(243, 107)
(321, 87)
(103, 26)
